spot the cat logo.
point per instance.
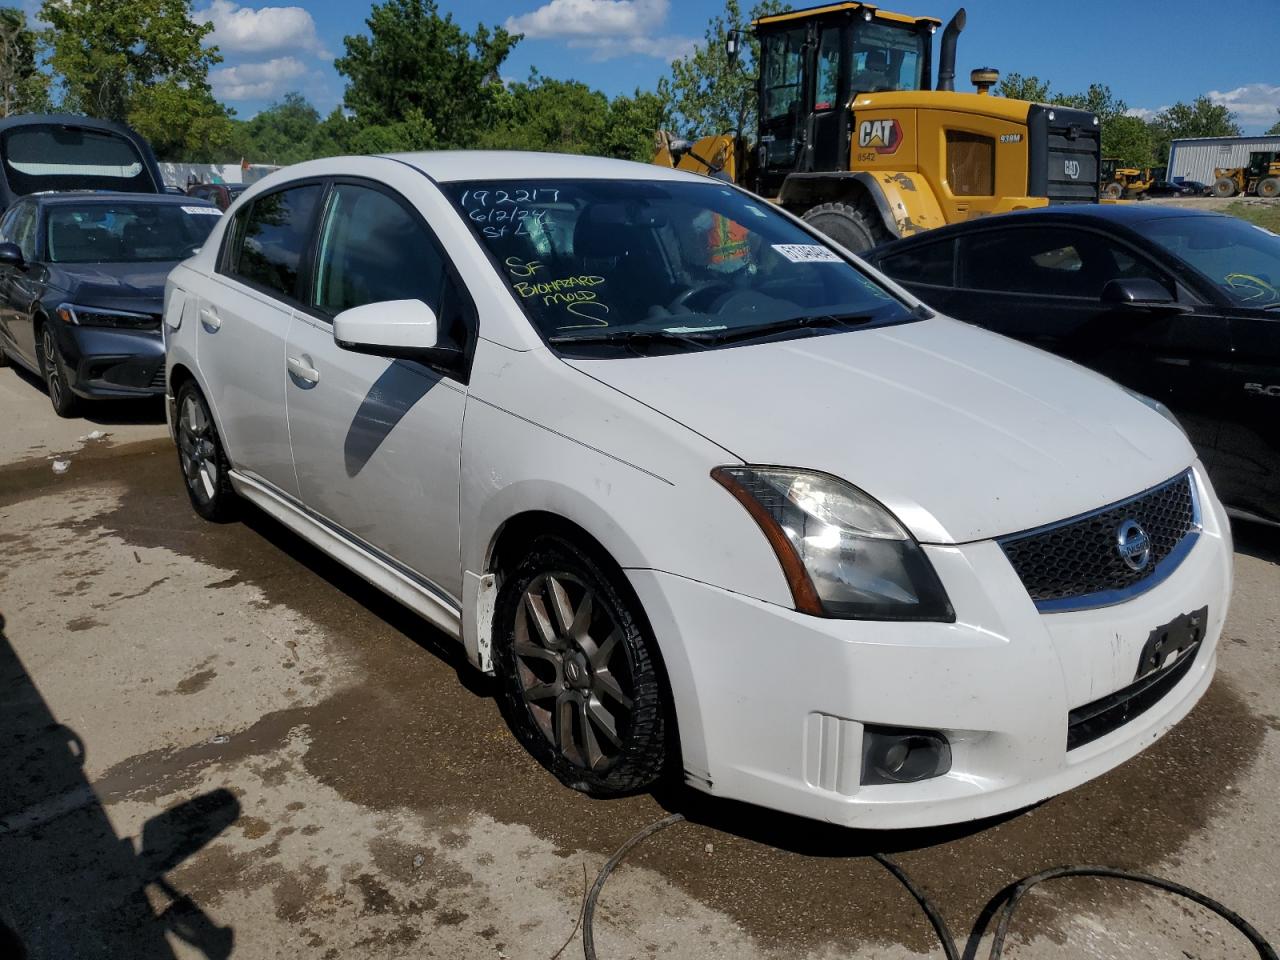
(1071, 168)
(883, 136)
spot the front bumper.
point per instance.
(104, 363)
(771, 703)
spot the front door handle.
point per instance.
(209, 319)
(300, 368)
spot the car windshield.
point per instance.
(126, 232)
(1242, 259)
(685, 263)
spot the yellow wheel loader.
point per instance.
(852, 137)
(1260, 178)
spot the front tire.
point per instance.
(1113, 191)
(579, 681)
(1269, 188)
(65, 403)
(1223, 187)
(856, 228)
(205, 467)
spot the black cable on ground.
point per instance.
(945, 937)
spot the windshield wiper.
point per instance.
(634, 339)
(795, 323)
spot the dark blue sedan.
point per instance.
(82, 288)
(1177, 304)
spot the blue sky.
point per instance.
(1151, 55)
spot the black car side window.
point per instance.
(269, 238)
(1047, 261)
(931, 263)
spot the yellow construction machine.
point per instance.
(1260, 178)
(1130, 182)
(852, 137)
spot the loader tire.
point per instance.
(1269, 188)
(1114, 191)
(1224, 187)
(857, 228)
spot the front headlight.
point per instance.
(102, 317)
(843, 554)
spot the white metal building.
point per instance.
(1196, 159)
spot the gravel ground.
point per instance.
(216, 743)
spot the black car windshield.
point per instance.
(124, 232)
(687, 264)
(1242, 259)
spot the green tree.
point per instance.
(710, 92)
(414, 132)
(419, 74)
(1017, 87)
(23, 87)
(1130, 140)
(1200, 118)
(630, 125)
(1098, 99)
(562, 116)
(285, 132)
(1275, 127)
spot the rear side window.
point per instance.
(269, 238)
(932, 263)
(53, 157)
(1048, 261)
(372, 250)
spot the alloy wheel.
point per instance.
(573, 670)
(52, 373)
(197, 449)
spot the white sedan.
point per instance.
(710, 497)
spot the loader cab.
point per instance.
(812, 62)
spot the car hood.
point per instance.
(119, 286)
(962, 433)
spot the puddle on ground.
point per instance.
(421, 731)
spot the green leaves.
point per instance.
(23, 88)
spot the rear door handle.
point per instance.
(300, 368)
(209, 319)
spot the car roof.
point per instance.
(1096, 214)
(451, 166)
(82, 197)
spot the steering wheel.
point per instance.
(681, 301)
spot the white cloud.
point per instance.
(1253, 103)
(606, 28)
(256, 81)
(1144, 113)
(238, 29)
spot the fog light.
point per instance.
(898, 755)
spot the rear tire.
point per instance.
(206, 471)
(578, 676)
(856, 228)
(1223, 187)
(1113, 191)
(1269, 188)
(65, 403)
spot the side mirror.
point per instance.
(11, 256)
(402, 329)
(1141, 293)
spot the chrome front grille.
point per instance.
(1077, 563)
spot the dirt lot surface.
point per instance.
(217, 743)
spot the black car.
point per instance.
(82, 288)
(42, 152)
(222, 194)
(1180, 305)
(1170, 188)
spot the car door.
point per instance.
(377, 442)
(1043, 285)
(244, 318)
(1249, 447)
(20, 287)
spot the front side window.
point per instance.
(887, 58)
(781, 87)
(123, 232)
(1048, 261)
(45, 157)
(702, 261)
(1241, 259)
(372, 250)
(271, 236)
(931, 263)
